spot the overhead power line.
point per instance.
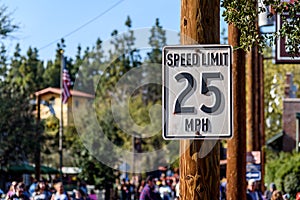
(83, 25)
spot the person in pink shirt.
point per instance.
(12, 190)
(93, 195)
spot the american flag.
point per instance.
(66, 82)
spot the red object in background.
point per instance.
(66, 82)
(298, 196)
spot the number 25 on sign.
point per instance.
(197, 92)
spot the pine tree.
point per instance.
(6, 24)
(89, 65)
(157, 41)
(17, 128)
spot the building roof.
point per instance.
(276, 142)
(58, 91)
(275, 137)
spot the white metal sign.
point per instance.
(253, 172)
(197, 92)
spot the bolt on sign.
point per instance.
(197, 92)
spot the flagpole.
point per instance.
(60, 147)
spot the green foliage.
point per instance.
(243, 14)
(17, 127)
(89, 65)
(284, 171)
(157, 40)
(128, 22)
(18, 80)
(93, 171)
(27, 74)
(290, 27)
(26, 71)
(6, 24)
(3, 60)
(292, 183)
(51, 76)
(274, 83)
(49, 141)
(51, 125)
(123, 57)
(88, 147)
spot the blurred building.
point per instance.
(48, 103)
(288, 139)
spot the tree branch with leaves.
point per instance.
(243, 14)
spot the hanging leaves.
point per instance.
(243, 14)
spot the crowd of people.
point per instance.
(42, 190)
(253, 192)
(163, 188)
(272, 193)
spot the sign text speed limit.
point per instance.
(197, 92)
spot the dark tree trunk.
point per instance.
(236, 152)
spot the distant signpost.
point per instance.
(253, 171)
(197, 92)
(256, 175)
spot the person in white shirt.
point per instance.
(165, 191)
(60, 194)
(40, 192)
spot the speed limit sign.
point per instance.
(197, 92)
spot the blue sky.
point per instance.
(45, 21)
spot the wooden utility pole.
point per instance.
(255, 106)
(253, 97)
(236, 151)
(255, 102)
(262, 120)
(199, 177)
(38, 140)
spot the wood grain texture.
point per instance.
(236, 151)
(253, 100)
(200, 21)
(199, 177)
